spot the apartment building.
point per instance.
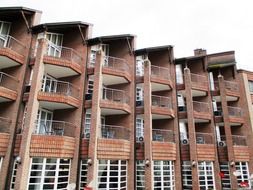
(96, 111)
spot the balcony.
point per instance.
(58, 95)
(115, 71)
(114, 102)
(113, 142)
(235, 116)
(62, 61)
(163, 144)
(201, 111)
(205, 146)
(8, 87)
(114, 132)
(241, 149)
(160, 78)
(239, 140)
(162, 135)
(232, 91)
(204, 138)
(55, 128)
(12, 52)
(161, 107)
(49, 135)
(4, 134)
(199, 85)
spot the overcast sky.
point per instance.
(215, 25)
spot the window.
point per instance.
(187, 174)
(139, 129)
(55, 44)
(225, 180)
(206, 175)
(179, 74)
(87, 124)
(90, 85)
(164, 175)
(44, 122)
(4, 32)
(14, 174)
(251, 87)
(93, 55)
(139, 67)
(49, 173)
(112, 174)
(243, 169)
(49, 84)
(83, 174)
(105, 49)
(140, 175)
(1, 160)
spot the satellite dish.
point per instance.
(71, 186)
(236, 173)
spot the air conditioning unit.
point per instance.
(181, 108)
(88, 96)
(141, 139)
(87, 135)
(185, 141)
(221, 143)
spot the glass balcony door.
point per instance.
(49, 84)
(55, 44)
(4, 32)
(44, 122)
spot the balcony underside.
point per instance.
(162, 113)
(114, 108)
(196, 120)
(228, 98)
(159, 87)
(108, 111)
(7, 95)
(55, 101)
(113, 79)
(241, 153)
(9, 58)
(59, 71)
(195, 93)
(230, 123)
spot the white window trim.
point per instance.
(226, 181)
(14, 173)
(108, 164)
(83, 173)
(43, 171)
(205, 174)
(140, 163)
(171, 174)
(186, 167)
(242, 177)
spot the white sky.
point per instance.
(215, 25)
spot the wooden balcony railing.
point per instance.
(61, 88)
(10, 42)
(161, 101)
(160, 72)
(115, 95)
(114, 132)
(163, 135)
(8, 81)
(52, 127)
(204, 138)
